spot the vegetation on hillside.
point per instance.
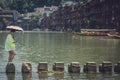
(24, 6)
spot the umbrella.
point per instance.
(17, 28)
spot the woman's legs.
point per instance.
(11, 55)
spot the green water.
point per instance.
(53, 47)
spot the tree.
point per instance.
(35, 18)
(24, 6)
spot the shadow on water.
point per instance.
(91, 76)
(43, 75)
(74, 76)
(64, 76)
(26, 76)
(56, 76)
(10, 76)
(59, 76)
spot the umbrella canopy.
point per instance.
(17, 28)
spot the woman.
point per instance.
(10, 45)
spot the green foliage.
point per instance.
(24, 6)
(35, 17)
(5, 20)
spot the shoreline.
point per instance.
(90, 34)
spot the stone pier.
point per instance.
(43, 66)
(26, 67)
(90, 67)
(117, 67)
(106, 66)
(74, 67)
(10, 68)
(58, 66)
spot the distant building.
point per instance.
(45, 9)
(68, 3)
(8, 17)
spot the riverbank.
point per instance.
(90, 34)
(95, 32)
(114, 35)
(84, 32)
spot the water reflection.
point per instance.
(59, 76)
(75, 76)
(107, 76)
(43, 75)
(117, 76)
(26, 76)
(10, 76)
(91, 76)
(48, 75)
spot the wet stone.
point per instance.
(10, 67)
(74, 67)
(26, 67)
(58, 66)
(43, 66)
(106, 66)
(117, 67)
(90, 67)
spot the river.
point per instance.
(64, 47)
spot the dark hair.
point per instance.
(12, 30)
